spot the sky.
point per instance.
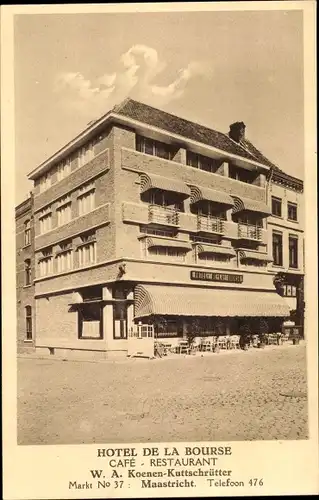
(213, 68)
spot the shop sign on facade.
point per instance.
(207, 276)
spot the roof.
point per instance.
(141, 112)
(190, 130)
(191, 301)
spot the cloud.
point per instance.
(136, 76)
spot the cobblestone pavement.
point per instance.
(253, 395)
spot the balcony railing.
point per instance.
(164, 216)
(209, 224)
(249, 232)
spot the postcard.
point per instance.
(159, 250)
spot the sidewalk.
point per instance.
(170, 356)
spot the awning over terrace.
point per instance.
(152, 181)
(247, 204)
(192, 301)
(203, 193)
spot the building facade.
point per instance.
(25, 276)
(286, 238)
(148, 218)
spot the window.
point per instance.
(91, 293)
(87, 250)
(120, 320)
(27, 233)
(293, 252)
(45, 219)
(64, 261)
(86, 153)
(154, 148)
(86, 199)
(64, 213)
(201, 162)
(158, 232)
(167, 254)
(28, 322)
(64, 169)
(212, 257)
(46, 262)
(290, 291)
(242, 175)
(276, 206)
(277, 249)
(168, 327)
(205, 239)
(27, 271)
(45, 182)
(292, 211)
(90, 321)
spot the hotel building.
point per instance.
(148, 218)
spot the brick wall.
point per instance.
(144, 163)
(25, 294)
(78, 177)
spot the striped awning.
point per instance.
(193, 301)
(203, 193)
(248, 254)
(202, 249)
(246, 204)
(168, 242)
(152, 181)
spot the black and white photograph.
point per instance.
(160, 231)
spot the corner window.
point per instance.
(277, 249)
(293, 252)
(27, 233)
(292, 211)
(276, 206)
(27, 272)
(28, 323)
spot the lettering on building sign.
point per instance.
(227, 278)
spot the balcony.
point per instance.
(163, 216)
(207, 224)
(249, 232)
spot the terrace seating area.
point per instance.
(215, 344)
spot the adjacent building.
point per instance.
(148, 218)
(25, 275)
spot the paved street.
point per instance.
(259, 394)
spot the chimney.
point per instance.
(237, 131)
